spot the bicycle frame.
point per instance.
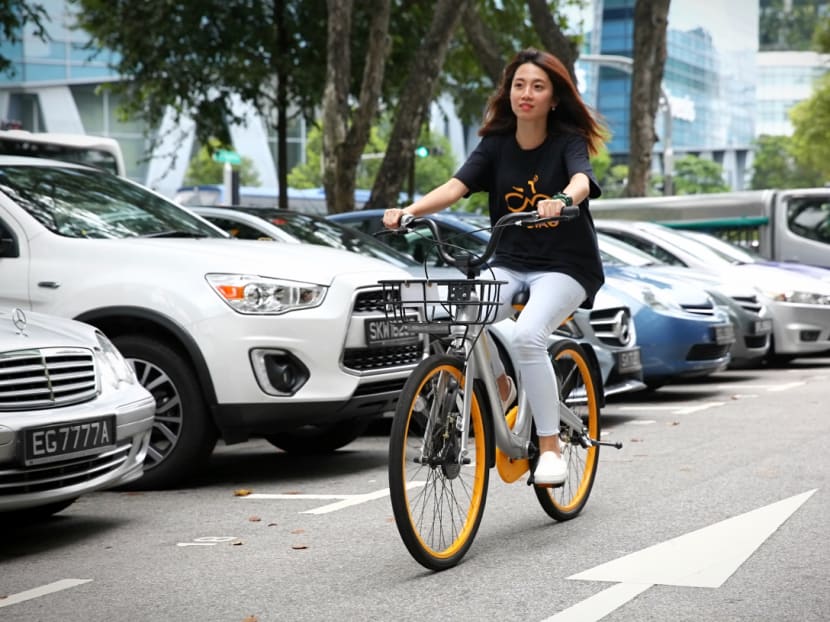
(512, 441)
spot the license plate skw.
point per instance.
(383, 333)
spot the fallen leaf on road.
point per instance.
(254, 519)
(299, 547)
(241, 492)
(237, 543)
(296, 531)
(250, 619)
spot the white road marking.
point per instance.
(43, 590)
(343, 501)
(703, 558)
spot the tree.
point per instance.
(649, 59)
(413, 109)
(811, 119)
(694, 175)
(343, 142)
(199, 57)
(775, 165)
(203, 169)
(15, 15)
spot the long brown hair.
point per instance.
(571, 113)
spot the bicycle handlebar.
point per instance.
(467, 262)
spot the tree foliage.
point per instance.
(788, 25)
(775, 165)
(203, 169)
(694, 175)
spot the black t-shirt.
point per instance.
(516, 179)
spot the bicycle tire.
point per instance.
(579, 390)
(437, 502)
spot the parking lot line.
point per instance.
(343, 501)
(43, 590)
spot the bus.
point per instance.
(309, 200)
(780, 225)
(98, 151)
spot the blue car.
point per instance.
(679, 330)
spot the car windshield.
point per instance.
(615, 252)
(734, 253)
(693, 247)
(312, 230)
(82, 203)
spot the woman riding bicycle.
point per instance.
(537, 136)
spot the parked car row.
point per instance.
(608, 335)
(686, 324)
(232, 338)
(134, 332)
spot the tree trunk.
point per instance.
(343, 144)
(414, 102)
(282, 106)
(551, 36)
(335, 94)
(483, 42)
(650, 22)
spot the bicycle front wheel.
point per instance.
(437, 485)
(577, 389)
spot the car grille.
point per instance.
(46, 378)
(707, 352)
(750, 303)
(613, 326)
(369, 302)
(56, 475)
(700, 309)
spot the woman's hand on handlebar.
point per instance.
(392, 218)
(550, 208)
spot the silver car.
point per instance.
(798, 305)
(73, 417)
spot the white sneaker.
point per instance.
(551, 469)
(511, 395)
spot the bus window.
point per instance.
(101, 152)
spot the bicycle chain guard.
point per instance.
(511, 469)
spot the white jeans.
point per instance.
(553, 297)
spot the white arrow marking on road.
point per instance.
(43, 590)
(703, 558)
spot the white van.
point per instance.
(781, 225)
(98, 151)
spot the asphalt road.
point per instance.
(717, 508)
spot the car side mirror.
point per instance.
(8, 246)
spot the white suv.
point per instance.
(233, 338)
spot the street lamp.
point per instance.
(626, 65)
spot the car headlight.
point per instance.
(796, 297)
(657, 299)
(251, 294)
(114, 367)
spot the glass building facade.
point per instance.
(709, 79)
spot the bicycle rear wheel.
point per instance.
(438, 500)
(579, 391)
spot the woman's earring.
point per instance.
(552, 108)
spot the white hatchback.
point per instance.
(73, 417)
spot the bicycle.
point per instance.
(445, 439)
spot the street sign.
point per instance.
(227, 157)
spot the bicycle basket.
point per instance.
(433, 305)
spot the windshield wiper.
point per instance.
(173, 233)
